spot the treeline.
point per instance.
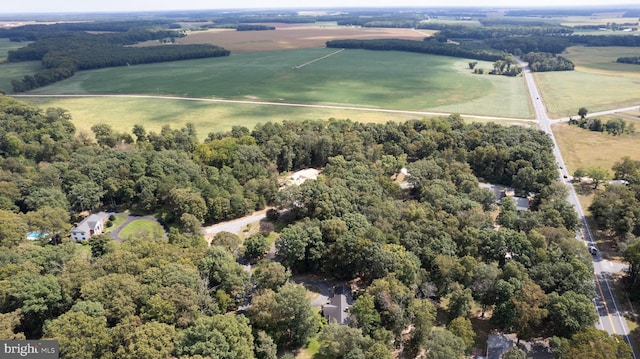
(254, 27)
(616, 210)
(542, 62)
(493, 31)
(73, 40)
(65, 53)
(520, 39)
(431, 252)
(34, 32)
(615, 127)
(605, 40)
(526, 44)
(389, 21)
(429, 46)
(629, 60)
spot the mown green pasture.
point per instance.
(377, 79)
(207, 117)
(16, 71)
(597, 83)
(6, 46)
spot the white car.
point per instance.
(593, 250)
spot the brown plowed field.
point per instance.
(287, 37)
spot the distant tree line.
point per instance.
(526, 44)
(495, 31)
(605, 40)
(67, 52)
(429, 46)
(615, 127)
(254, 27)
(629, 60)
(542, 62)
(34, 32)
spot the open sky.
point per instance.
(22, 6)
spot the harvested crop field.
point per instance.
(286, 36)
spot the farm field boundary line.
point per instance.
(318, 59)
(284, 104)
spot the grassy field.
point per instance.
(391, 80)
(14, 71)
(376, 80)
(598, 82)
(142, 228)
(583, 149)
(122, 114)
(6, 46)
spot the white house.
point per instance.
(92, 225)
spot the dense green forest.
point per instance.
(425, 258)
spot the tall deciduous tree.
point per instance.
(570, 313)
(582, 112)
(220, 336)
(80, 335)
(592, 343)
(13, 228)
(286, 316)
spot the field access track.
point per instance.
(318, 59)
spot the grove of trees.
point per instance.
(423, 256)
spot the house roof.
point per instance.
(522, 204)
(337, 309)
(90, 223)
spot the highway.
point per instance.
(611, 318)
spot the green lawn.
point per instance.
(598, 82)
(119, 219)
(142, 228)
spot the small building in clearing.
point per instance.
(90, 226)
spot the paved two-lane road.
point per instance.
(611, 318)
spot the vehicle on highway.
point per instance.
(593, 250)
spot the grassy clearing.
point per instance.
(142, 228)
(583, 149)
(122, 114)
(16, 71)
(6, 46)
(311, 350)
(597, 83)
